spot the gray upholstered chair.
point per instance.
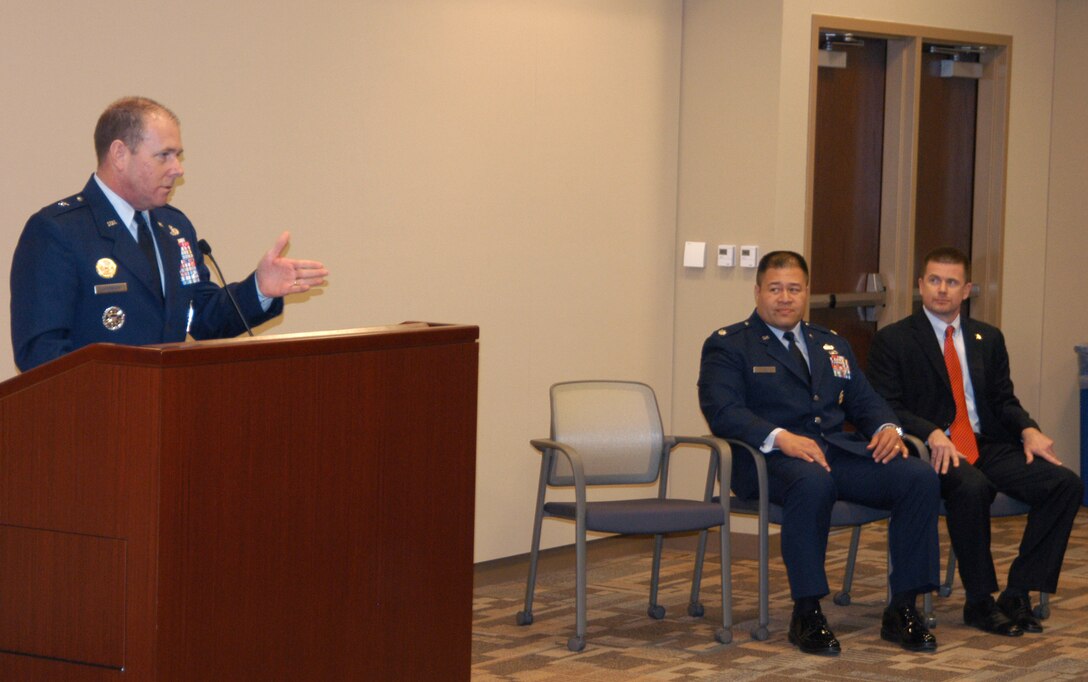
(608, 433)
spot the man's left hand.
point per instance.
(886, 446)
(278, 276)
(1038, 444)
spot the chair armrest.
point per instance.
(916, 444)
(721, 462)
(544, 445)
(761, 473)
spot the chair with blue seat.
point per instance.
(609, 433)
(843, 515)
(1002, 506)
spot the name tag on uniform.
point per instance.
(115, 288)
(764, 370)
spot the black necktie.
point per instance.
(797, 355)
(147, 245)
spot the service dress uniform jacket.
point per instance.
(906, 365)
(78, 277)
(749, 385)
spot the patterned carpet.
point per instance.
(624, 644)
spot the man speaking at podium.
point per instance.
(115, 263)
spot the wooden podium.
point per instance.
(294, 507)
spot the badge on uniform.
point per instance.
(189, 273)
(113, 318)
(840, 366)
(106, 268)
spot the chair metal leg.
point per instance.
(1042, 609)
(843, 597)
(762, 630)
(525, 617)
(578, 641)
(927, 610)
(725, 634)
(655, 610)
(695, 607)
(950, 574)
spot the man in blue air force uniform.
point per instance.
(115, 263)
(786, 387)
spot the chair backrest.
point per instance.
(614, 425)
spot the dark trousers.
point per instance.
(806, 492)
(1054, 494)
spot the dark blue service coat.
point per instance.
(78, 277)
(749, 385)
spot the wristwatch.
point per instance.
(898, 430)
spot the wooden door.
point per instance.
(944, 202)
(847, 187)
(847, 184)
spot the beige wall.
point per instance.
(529, 166)
(1065, 322)
(746, 65)
(506, 163)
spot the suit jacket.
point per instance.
(906, 364)
(78, 277)
(749, 385)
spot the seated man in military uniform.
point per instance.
(786, 387)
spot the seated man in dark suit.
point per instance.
(786, 387)
(947, 377)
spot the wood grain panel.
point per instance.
(279, 498)
(63, 596)
(847, 187)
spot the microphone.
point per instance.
(206, 249)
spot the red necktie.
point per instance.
(963, 437)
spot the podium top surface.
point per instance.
(406, 334)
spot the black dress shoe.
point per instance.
(1018, 610)
(986, 616)
(809, 631)
(906, 628)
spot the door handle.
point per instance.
(872, 295)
